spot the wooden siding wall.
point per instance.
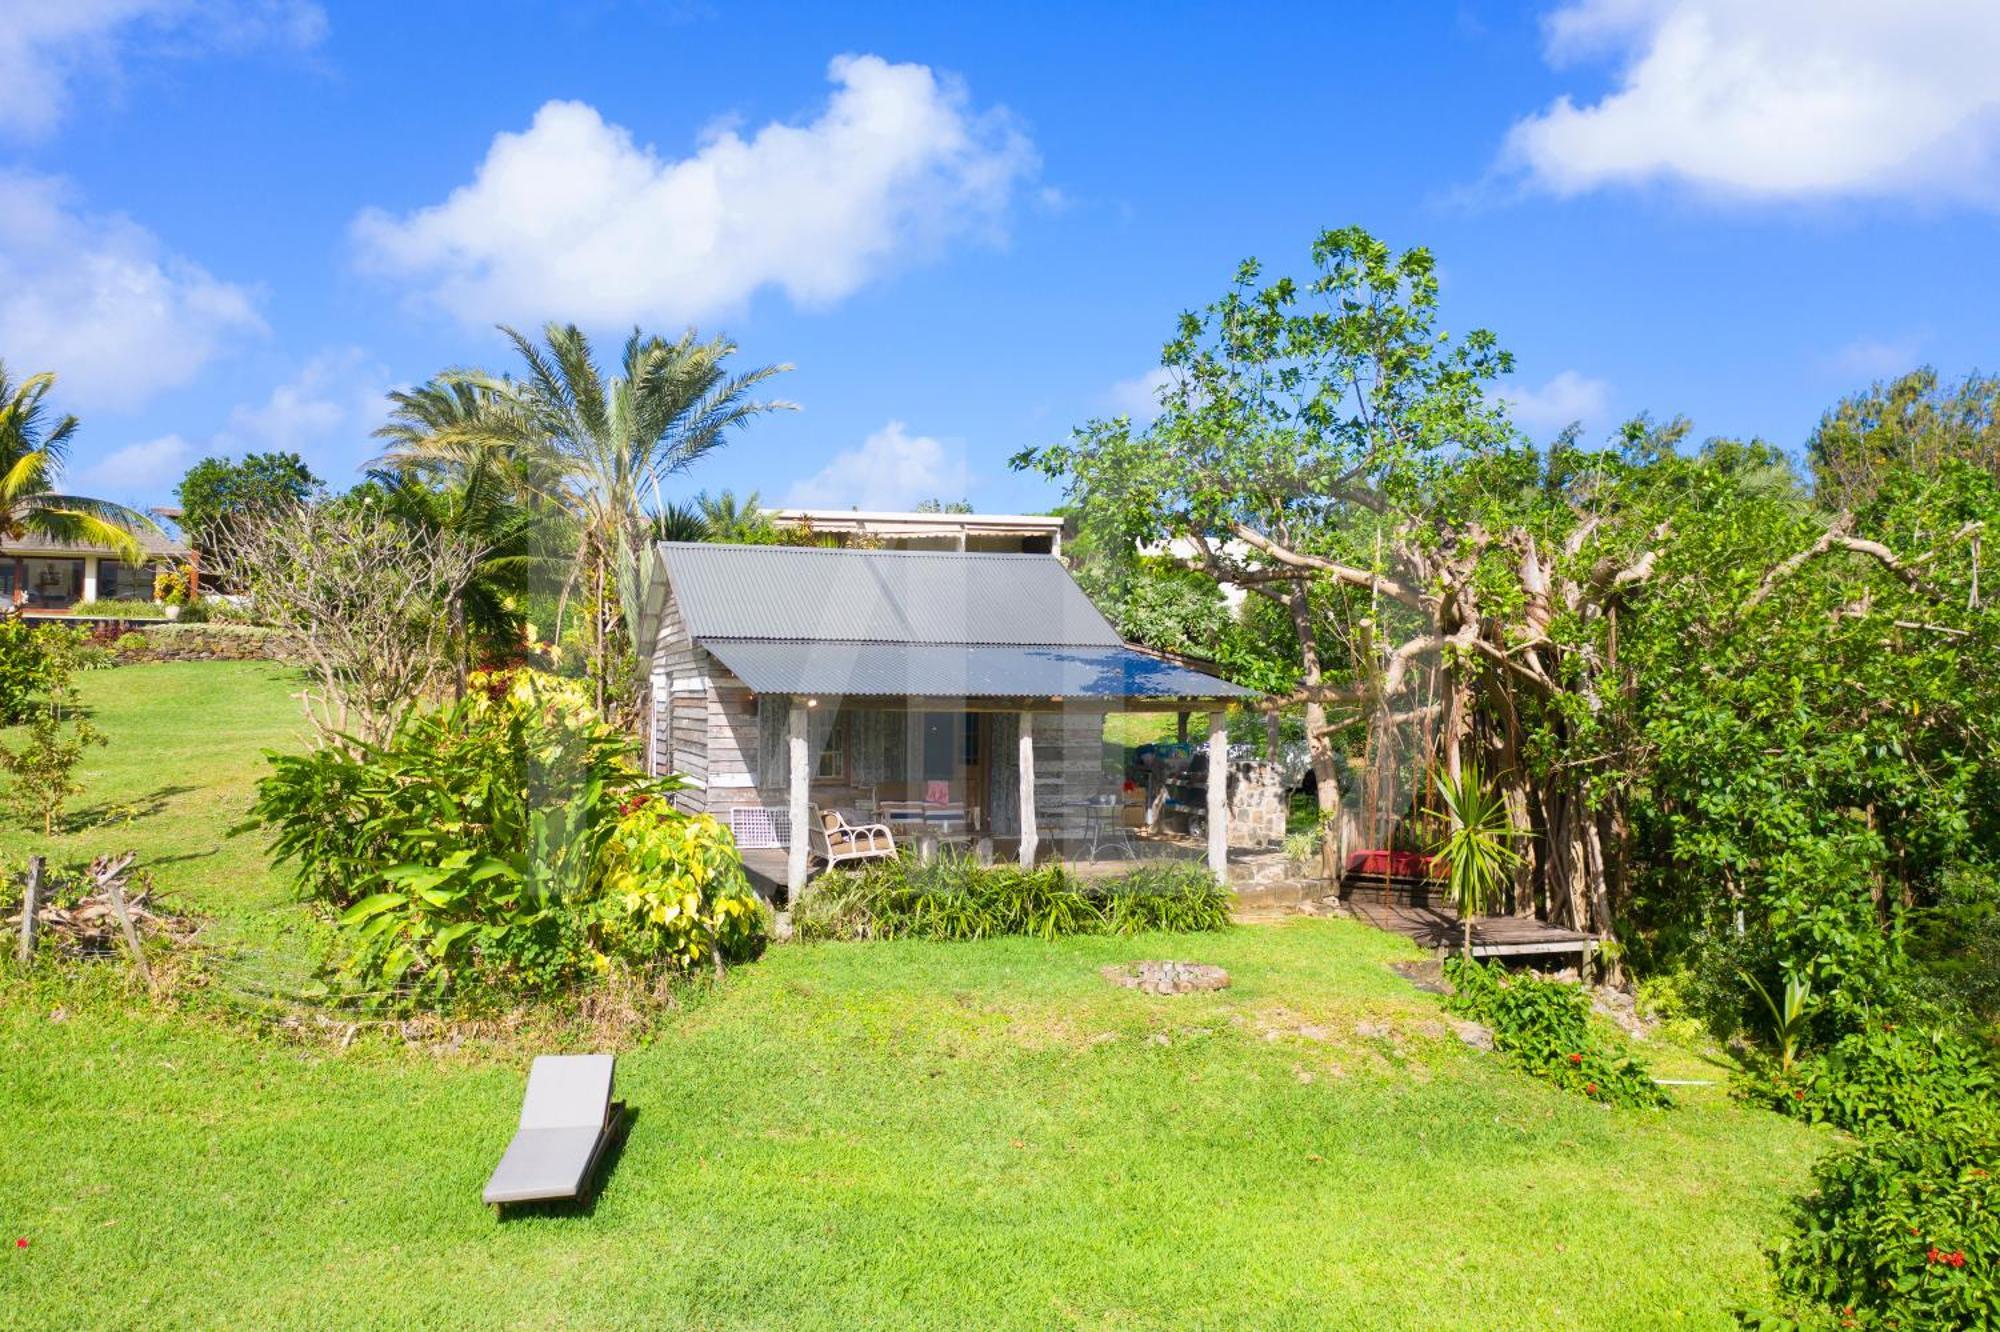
(678, 699)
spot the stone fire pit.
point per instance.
(1166, 977)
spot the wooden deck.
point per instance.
(1492, 936)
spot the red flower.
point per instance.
(1576, 1059)
(1799, 1094)
(1956, 1258)
(1590, 1089)
(21, 1243)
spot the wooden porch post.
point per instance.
(1218, 794)
(1027, 766)
(801, 779)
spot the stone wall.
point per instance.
(1256, 803)
(200, 642)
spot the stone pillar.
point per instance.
(90, 578)
(1027, 775)
(1218, 794)
(800, 777)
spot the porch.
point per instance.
(1018, 780)
(1438, 928)
(55, 584)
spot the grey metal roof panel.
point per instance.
(770, 666)
(880, 596)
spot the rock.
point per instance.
(1472, 1033)
(1167, 978)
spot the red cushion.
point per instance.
(1395, 864)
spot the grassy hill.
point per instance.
(914, 1135)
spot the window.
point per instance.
(6, 582)
(831, 763)
(951, 742)
(53, 584)
(124, 582)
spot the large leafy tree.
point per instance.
(601, 448)
(1553, 615)
(34, 447)
(1295, 455)
(216, 490)
(1913, 424)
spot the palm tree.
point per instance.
(601, 449)
(741, 522)
(33, 450)
(450, 468)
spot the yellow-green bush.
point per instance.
(672, 890)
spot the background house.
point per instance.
(39, 576)
(966, 691)
(1017, 533)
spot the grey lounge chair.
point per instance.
(567, 1120)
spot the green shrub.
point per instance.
(122, 610)
(1179, 897)
(37, 660)
(503, 845)
(673, 890)
(1900, 1231)
(1888, 1078)
(954, 897)
(1544, 1026)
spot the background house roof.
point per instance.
(156, 544)
(931, 624)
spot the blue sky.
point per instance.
(231, 224)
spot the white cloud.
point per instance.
(1564, 398)
(323, 413)
(336, 398)
(1139, 397)
(891, 469)
(98, 301)
(1876, 358)
(45, 45)
(146, 469)
(1777, 99)
(574, 219)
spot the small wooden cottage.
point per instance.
(962, 694)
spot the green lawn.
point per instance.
(927, 1135)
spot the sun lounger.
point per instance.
(567, 1120)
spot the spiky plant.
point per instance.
(1478, 845)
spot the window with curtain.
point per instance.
(124, 582)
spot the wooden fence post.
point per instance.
(31, 905)
(111, 876)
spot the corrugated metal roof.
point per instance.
(931, 670)
(880, 596)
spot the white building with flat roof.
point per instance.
(1004, 533)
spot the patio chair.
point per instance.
(567, 1120)
(836, 841)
